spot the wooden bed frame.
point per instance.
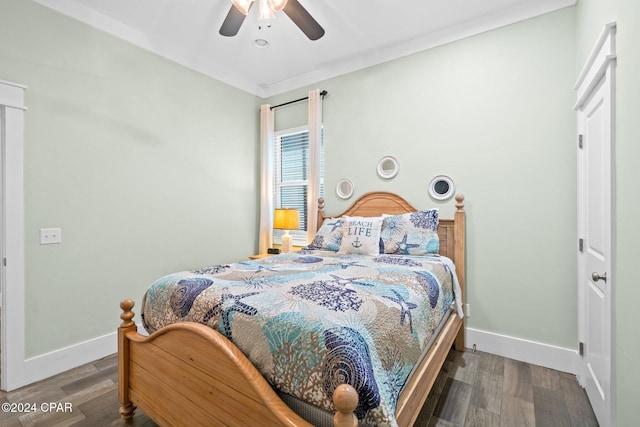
(189, 374)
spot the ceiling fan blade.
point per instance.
(303, 20)
(232, 22)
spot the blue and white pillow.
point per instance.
(414, 233)
(329, 236)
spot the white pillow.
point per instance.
(360, 235)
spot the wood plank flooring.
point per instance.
(473, 389)
(481, 389)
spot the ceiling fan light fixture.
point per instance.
(277, 5)
(242, 5)
(292, 8)
(265, 13)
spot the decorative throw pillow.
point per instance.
(328, 236)
(361, 235)
(414, 233)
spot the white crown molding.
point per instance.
(89, 16)
(84, 14)
(520, 12)
(428, 41)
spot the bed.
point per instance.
(188, 373)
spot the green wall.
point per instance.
(494, 112)
(146, 166)
(628, 205)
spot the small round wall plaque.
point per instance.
(441, 187)
(344, 188)
(388, 167)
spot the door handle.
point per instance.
(595, 276)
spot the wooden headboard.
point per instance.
(451, 232)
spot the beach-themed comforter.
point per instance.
(312, 320)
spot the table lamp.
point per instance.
(286, 219)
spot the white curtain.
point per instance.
(266, 178)
(315, 133)
(267, 207)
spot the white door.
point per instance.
(595, 231)
(596, 277)
(13, 232)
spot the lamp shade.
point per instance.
(286, 219)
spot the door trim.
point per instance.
(598, 70)
(602, 56)
(13, 230)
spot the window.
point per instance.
(291, 180)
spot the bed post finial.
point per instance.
(460, 202)
(126, 316)
(345, 399)
(320, 219)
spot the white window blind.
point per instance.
(291, 181)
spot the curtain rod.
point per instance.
(322, 94)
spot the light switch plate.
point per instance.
(50, 236)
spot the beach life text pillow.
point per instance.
(361, 235)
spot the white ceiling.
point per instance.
(359, 33)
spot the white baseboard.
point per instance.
(549, 356)
(58, 361)
(47, 365)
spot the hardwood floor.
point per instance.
(481, 389)
(473, 389)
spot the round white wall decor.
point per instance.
(388, 167)
(344, 188)
(441, 187)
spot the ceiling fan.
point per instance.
(292, 8)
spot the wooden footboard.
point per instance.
(189, 374)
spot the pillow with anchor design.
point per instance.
(360, 235)
(414, 233)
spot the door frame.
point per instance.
(13, 235)
(598, 71)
